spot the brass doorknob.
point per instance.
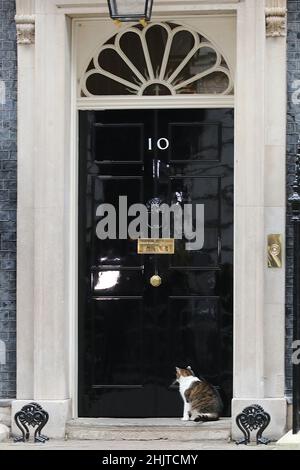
(155, 281)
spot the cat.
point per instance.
(201, 400)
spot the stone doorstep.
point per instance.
(290, 440)
(169, 429)
(4, 433)
(5, 412)
(5, 403)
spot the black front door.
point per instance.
(131, 334)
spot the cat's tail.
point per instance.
(204, 417)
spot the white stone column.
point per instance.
(275, 194)
(51, 316)
(249, 194)
(259, 292)
(44, 150)
(25, 24)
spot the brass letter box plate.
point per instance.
(156, 246)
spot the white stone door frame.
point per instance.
(117, 103)
(46, 260)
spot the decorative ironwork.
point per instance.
(295, 204)
(31, 415)
(154, 204)
(253, 418)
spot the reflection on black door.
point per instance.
(132, 335)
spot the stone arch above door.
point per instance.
(163, 58)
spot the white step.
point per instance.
(148, 429)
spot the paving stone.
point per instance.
(134, 445)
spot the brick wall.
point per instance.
(8, 186)
(293, 131)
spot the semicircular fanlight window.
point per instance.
(161, 59)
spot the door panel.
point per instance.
(195, 142)
(117, 350)
(105, 139)
(195, 327)
(199, 190)
(132, 335)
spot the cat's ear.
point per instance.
(177, 369)
(190, 369)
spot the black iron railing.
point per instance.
(295, 203)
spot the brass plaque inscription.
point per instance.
(275, 251)
(156, 246)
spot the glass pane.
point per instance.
(98, 84)
(157, 89)
(182, 44)
(214, 83)
(128, 7)
(157, 38)
(131, 45)
(203, 60)
(111, 62)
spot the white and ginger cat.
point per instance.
(201, 401)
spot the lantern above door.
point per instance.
(130, 10)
